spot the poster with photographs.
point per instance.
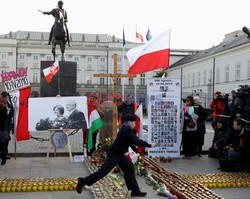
(57, 113)
(164, 116)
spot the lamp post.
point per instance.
(246, 31)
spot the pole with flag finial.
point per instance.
(123, 70)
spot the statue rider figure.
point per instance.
(65, 18)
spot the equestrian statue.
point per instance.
(59, 33)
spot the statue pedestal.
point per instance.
(63, 83)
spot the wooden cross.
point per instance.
(115, 76)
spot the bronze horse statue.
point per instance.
(59, 32)
(59, 35)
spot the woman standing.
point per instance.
(189, 127)
(201, 127)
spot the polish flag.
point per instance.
(19, 100)
(150, 56)
(139, 127)
(139, 36)
(50, 72)
(139, 121)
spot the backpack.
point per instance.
(227, 165)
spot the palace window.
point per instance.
(142, 79)
(49, 57)
(248, 69)
(130, 81)
(204, 77)
(21, 56)
(237, 77)
(76, 58)
(188, 81)
(199, 78)
(193, 79)
(3, 55)
(217, 74)
(35, 57)
(89, 59)
(35, 77)
(102, 80)
(102, 59)
(184, 81)
(119, 81)
(226, 73)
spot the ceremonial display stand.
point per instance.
(63, 84)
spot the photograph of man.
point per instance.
(76, 118)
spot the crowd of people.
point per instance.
(231, 124)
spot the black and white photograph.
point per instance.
(59, 113)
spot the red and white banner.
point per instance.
(150, 56)
(19, 100)
(50, 72)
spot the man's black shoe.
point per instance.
(8, 157)
(69, 44)
(79, 185)
(138, 193)
(3, 161)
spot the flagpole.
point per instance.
(135, 45)
(59, 88)
(123, 71)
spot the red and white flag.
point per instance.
(50, 72)
(150, 56)
(139, 36)
(19, 100)
(139, 127)
(139, 121)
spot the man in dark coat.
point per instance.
(125, 138)
(76, 118)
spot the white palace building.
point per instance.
(221, 68)
(92, 52)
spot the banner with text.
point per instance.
(164, 116)
(15, 80)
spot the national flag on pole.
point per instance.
(20, 104)
(139, 121)
(95, 123)
(148, 35)
(123, 38)
(139, 36)
(150, 56)
(139, 127)
(50, 72)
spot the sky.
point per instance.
(194, 24)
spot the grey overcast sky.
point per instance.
(194, 24)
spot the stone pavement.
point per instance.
(32, 167)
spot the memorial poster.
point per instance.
(58, 113)
(164, 116)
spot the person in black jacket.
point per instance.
(201, 128)
(116, 155)
(5, 124)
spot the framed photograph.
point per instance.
(57, 113)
